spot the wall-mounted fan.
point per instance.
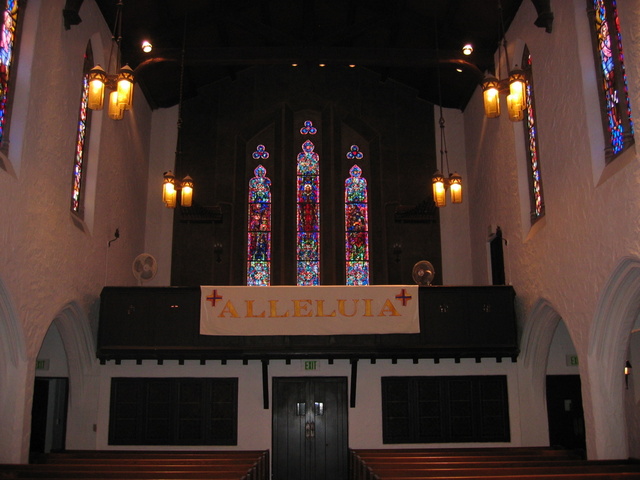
(423, 273)
(144, 267)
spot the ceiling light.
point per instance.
(146, 46)
(467, 49)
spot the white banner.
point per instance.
(324, 310)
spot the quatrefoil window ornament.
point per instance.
(260, 153)
(355, 153)
(308, 128)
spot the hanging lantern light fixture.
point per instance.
(515, 85)
(169, 186)
(439, 182)
(119, 84)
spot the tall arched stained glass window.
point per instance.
(531, 142)
(259, 225)
(614, 92)
(356, 224)
(7, 42)
(308, 211)
(84, 117)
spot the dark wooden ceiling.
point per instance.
(414, 42)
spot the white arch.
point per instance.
(13, 378)
(615, 315)
(538, 333)
(73, 325)
(12, 344)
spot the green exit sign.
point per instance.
(42, 364)
(310, 364)
(572, 360)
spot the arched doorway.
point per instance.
(565, 414)
(50, 396)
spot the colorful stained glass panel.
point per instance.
(531, 138)
(259, 225)
(356, 224)
(84, 116)
(614, 85)
(7, 42)
(308, 211)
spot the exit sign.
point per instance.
(310, 365)
(572, 360)
(42, 364)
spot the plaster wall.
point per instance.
(591, 211)
(254, 422)
(454, 219)
(51, 258)
(159, 224)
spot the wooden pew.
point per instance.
(132, 465)
(480, 471)
(483, 463)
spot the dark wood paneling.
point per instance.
(163, 323)
(173, 411)
(445, 409)
(310, 440)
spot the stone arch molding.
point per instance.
(73, 326)
(13, 372)
(615, 314)
(540, 327)
(13, 350)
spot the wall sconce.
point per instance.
(170, 190)
(627, 372)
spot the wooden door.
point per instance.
(564, 410)
(310, 428)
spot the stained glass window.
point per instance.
(259, 225)
(614, 92)
(7, 41)
(308, 211)
(84, 117)
(356, 224)
(531, 142)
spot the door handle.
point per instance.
(310, 430)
